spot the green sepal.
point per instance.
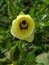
(14, 53)
(21, 13)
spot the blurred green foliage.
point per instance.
(39, 11)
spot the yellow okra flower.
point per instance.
(23, 27)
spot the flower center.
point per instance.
(23, 25)
(23, 22)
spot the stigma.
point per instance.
(23, 25)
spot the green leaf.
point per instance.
(42, 24)
(46, 1)
(30, 58)
(11, 8)
(46, 23)
(31, 12)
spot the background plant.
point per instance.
(39, 11)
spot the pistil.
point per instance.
(23, 25)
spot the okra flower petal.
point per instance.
(30, 38)
(24, 33)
